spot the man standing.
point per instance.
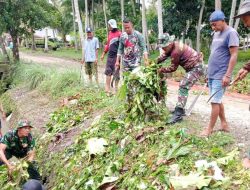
(131, 47)
(19, 143)
(91, 46)
(223, 57)
(111, 47)
(244, 15)
(192, 61)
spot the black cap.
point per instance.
(88, 29)
(33, 184)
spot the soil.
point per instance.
(37, 107)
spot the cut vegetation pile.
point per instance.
(113, 152)
(143, 88)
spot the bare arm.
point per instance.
(119, 54)
(233, 59)
(96, 54)
(118, 60)
(31, 155)
(3, 157)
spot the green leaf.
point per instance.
(96, 146)
(192, 180)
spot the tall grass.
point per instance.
(48, 80)
(62, 84)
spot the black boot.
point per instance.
(177, 115)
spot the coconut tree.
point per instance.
(144, 23)
(122, 12)
(198, 42)
(231, 20)
(217, 4)
(74, 24)
(160, 21)
(79, 21)
(86, 14)
(105, 14)
(236, 24)
(46, 49)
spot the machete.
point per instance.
(230, 84)
(115, 77)
(189, 110)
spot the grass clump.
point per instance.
(62, 84)
(48, 80)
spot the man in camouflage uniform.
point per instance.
(19, 143)
(131, 47)
(244, 15)
(192, 61)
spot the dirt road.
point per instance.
(236, 105)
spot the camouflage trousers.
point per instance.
(187, 82)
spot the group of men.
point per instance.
(129, 46)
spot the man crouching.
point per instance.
(19, 143)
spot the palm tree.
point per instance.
(144, 24)
(122, 12)
(231, 20)
(160, 21)
(105, 14)
(86, 14)
(198, 42)
(79, 26)
(74, 24)
(237, 21)
(133, 7)
(217, 4)
(46, 49)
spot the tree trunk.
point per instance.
(217, 4)
(86, 14)
(26, 42)
(160, 21)
(198, 38)
(2, 44)
(144, 24)
(105, 15)
(237, 21)
(231, 21)
(122, 12)
(79, 26)
(46, 48)
(74, 26)
(15, 49)
(92, 15)
(33, 46)
(244, 44)
(133, 7)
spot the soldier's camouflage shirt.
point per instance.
(131, 47)
(16, 145)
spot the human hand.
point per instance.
(117, 65)
(225, 81)
(10, 168)
(242, 73)
(102, 57)
(96, 62)
(160, 71)
(82, 61)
